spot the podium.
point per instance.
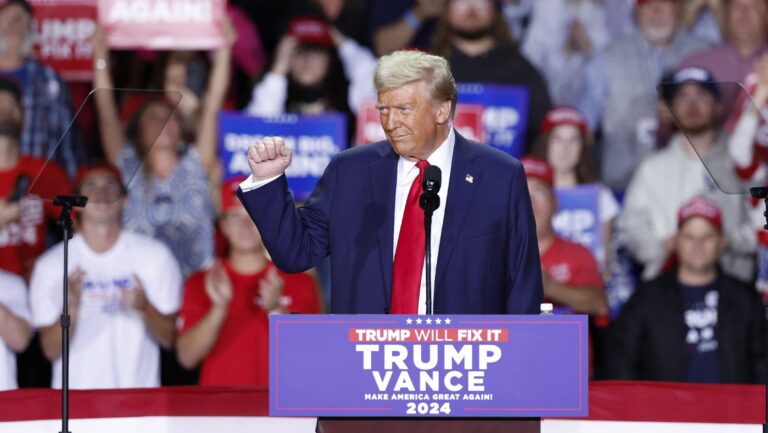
(446, 373)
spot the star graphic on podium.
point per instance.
(438, 321)
(429, 321)
(409, 321)
(447, 321)
(418, 321)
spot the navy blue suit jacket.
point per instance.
(488, 261)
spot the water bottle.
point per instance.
(546, 309)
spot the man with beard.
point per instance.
(46, 105)
(474, 37)
(620, 94)
(667, 179)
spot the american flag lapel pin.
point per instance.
(469, 178)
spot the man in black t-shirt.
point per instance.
(693, 324)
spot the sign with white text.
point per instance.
(314, 140)
(439, 366)
(163, 24)
(63, 31)
(505, 114)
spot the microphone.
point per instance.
(429, 201)
(19, 188)
(430, 186)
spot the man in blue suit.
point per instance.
(364, 210)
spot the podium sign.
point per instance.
(428, 366)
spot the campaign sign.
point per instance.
(63, 31)
(468, 121)
(578, 218)
(314, 140)
(434, 366)
(505, 117)
(163, 24)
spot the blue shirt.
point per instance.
(700, 315)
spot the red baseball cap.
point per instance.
(86, 169)
(700, 207)
(537, 168)
(564, 115)
(310, 30)
(228, 197)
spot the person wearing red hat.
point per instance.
(565, 142)
(571, 276)
(25, 215)
(124, 292)
(223, 320)
(694, 162)
(316, 69)
(694, 323)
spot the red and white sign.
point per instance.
(163, 24)
(63, 30)
(468, 121)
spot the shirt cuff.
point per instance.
(249, 184)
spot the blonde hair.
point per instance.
(403, 67)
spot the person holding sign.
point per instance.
(364, 210)
(565, 142)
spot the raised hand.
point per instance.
(268, 158)
(218, 287)
(271, 290)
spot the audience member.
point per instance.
(561, 38)
(307, 73)
(170, 197)
(565, 142)
(15, 331)
(667, 179)
(46, 101)
(223, 321)
(746, 40)
(24, 214)
(620, 93)
(402, 24)
(705, 19)
(474, 38)
(124, 292)
(571, 275)
(694, 323)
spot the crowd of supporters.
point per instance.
(656, 104)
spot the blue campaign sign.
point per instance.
(578, 218)
(313, 139)
(440, 366)
(505, 117)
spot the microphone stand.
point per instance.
(429, 201)
(67, 203)
(762, 193)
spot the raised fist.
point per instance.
(268, 158)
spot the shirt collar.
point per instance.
(441, 157)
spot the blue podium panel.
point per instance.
(441, 366)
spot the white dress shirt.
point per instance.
(406, 174)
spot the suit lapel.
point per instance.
(460, 193)
(383, 178)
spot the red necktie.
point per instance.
(409, 256)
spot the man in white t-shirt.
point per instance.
(124, 293)
(15, 331)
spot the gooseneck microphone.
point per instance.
(429, 201)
